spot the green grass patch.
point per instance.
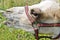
(10, 33)
(7, 33)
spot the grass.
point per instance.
(10, 33)
(7, 33)
(4, 4)
(14, 34)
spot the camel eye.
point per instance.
(35, 14)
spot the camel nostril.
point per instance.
(34, 13)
